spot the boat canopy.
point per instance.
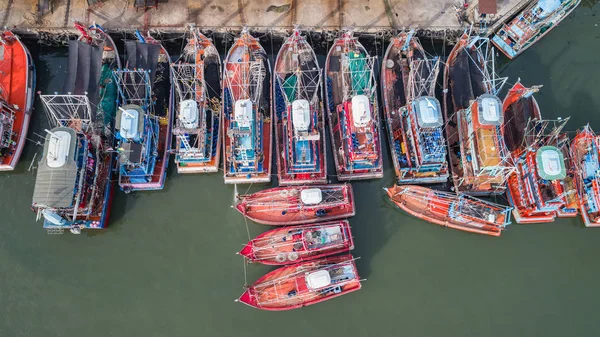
(318, 279)
(243, 112)
(489, 110)
(301, 115)
(428, 113)
(130, 121)
(550, 163)
(188, 114)
(311, 196)
(546, 7)
(58, 148)
(361, 112)
(54, 184)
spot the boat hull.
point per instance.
(20, 78)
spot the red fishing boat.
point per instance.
(303, 284)
(585, 154)
(17, 82)
(353, 110)
(458, 211)
(247, 112)
(542, 186)
(299, 119)
(478, 157)
(294, 205)
(413, 114)
(295, 244)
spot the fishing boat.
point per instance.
(458, 211)
(296, 244)
(17, 83)
(247, 112)
(299, 119)
(531, 24)
(303, 284)
(585, 154)
(295, 205)
(74, 187)
(413, 114)
(144, 119)
(542, 187)
(196, 77)
(478, 158)
(351, 99)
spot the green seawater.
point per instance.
(167, 264)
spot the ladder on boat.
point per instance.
(186, 144)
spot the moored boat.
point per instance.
(299, 119)
(74, 187)
(542, 187)
(296, 244)
(196, 77)
(144, 119)
(531, 24)
(352, 108)
(458, 211)
(17, 85)
(479, 161)
(294, 205)
(585, 154)
(413, 114)
(303, 284)
(246, 112)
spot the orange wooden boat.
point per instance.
(303, 284)
(295, 244)
(17, 82)
(294, 205)
(458, 211)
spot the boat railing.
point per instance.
(62, 110)
(135, 87)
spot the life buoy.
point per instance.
(293, 256)
(280, 257)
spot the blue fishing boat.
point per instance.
(143, 121)
(74, 187)
(585, 154)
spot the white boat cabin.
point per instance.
(129, 120)
(550, 163)
(58, 148)
(489, 110)
(189, 114)
(311, 196)
(546, 7)
(428, 112)
(361, 111)
(318, 279)
(301, 115)
(243, 113)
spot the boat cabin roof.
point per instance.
(130, 121)
(55, 180)
(243, 112)
(550, 163)
(301, 115)
(546, 7)
(311, 196)
(361, 111)
(428, 112)
(189, 113)
(489, 110)
(318, 279)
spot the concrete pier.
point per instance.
(259, 15)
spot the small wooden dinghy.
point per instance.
(458, 211)
(295, 244)
(303, 284)
(294, 205)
